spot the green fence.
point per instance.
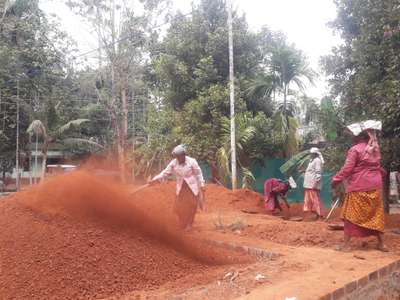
(269, 168)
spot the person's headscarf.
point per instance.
(179, 150)
(370, 127)
(315, 150)
(359, 127)
(292, 183)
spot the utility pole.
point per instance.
(133, 137)
(17, 141)
(36, 157)
(232, 97)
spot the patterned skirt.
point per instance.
(313, 202)
(363, 213)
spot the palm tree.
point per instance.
(263, 86)
(38, 129)
(290, 66)
(285, 129)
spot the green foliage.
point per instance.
(290, 65)
(363, 71)
(253, 137)
(285, 128)
(245, 132)
(33, 65)
(201, 121)
(194, 53)
(162, 136)
(295, 163)
(71, 125)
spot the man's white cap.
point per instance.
(292, 183)
(315, 150)
(357, 128)
(178, 150)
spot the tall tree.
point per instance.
(123, 29)
(363, 71)
(290, 66)
(33, 68)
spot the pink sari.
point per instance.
(272, 189)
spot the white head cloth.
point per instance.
(292, 183)
(357, 128)
(178, 150)
(315, 150)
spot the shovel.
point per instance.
(140, 188)
(333, 208)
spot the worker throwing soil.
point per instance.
(275, 189)
(363, 212)
(312, 184)
(190, 185)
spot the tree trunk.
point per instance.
(285, 101)
(121, 162)
(113, 106)
(124, 127)
(124, 109)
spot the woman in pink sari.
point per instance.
(363, 212)
(275, 189)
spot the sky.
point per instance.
(303, 21)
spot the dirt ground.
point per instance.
(80, 237)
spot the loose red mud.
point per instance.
(76, 236)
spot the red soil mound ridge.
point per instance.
(78, 237)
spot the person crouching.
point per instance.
(274, 190)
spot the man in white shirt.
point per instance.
(312, 184)
(190, 185)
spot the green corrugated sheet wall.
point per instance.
(269, 168)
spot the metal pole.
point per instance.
(232, 98)
(36, 158)
(30, 160)
(133, 136)
(17, 141)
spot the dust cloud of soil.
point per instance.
(81, 236)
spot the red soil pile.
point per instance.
(218, 197)
(289, 232)
(76, 236)
(316, 234)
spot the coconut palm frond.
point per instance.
(247, 178)
(223, 163)
(71, 125)
(281, 126)
(246, 134)
(290, 167)
(262, 86)
(37, 127)
(81, 142)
